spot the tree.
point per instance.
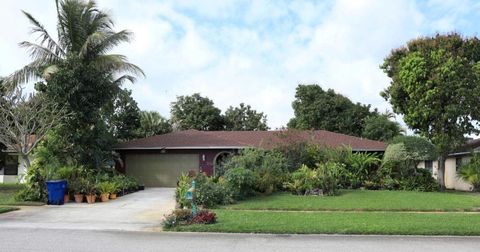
(123, 116)
(435, 86)
(381, 128)
(83, 31)
(315, 108)
(244, 118)
(26, 120)
(152, 123)
(78, 72)
(195, 112)
(417, 148)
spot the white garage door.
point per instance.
(160, 170)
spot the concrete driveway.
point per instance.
(140, 211)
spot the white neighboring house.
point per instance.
(13, 168)
(452, 164)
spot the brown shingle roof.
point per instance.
(193, 139)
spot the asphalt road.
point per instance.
(33, 239)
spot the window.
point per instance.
(458, 163)
(429, 165)
(11, 165)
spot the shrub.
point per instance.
(241, 181)
(470, 172)
(183, 214)
(362, 167)
(170, 221)
(303, 180)
(209, 193)
(34, 189)
(269, 168)
(204, 217)
(184, 183)
(421, 181)
(105, 187)
(329, 174)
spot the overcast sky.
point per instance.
(254, 51)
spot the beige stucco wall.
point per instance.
(451, 179)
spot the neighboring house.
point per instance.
(159, 160)
(452, 164)
(12, 168)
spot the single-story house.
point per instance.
(159, 160)
(454, 161)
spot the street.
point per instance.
(35, 239)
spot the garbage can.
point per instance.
(56, 191)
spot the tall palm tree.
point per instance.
(152, 123)
(82, 30)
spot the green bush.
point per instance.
(241, 181)
(421, 181)
(35, 189)
(303, 180)
(269, 167)
(209, 193)
(471, 172)
(329, 174)
(184, 183)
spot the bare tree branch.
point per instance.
(26, 119)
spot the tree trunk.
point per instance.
(441, 170)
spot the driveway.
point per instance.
(140, 211)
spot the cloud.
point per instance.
(255, 51)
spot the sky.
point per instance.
(255, 51)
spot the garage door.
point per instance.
(160, 170)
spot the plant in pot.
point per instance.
(105, 188)
(115, 188)
(90, 191)
(78, 188)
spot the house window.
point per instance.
(429, 165)
(458, 163)
(11, 165)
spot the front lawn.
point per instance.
(7, 209)
(399, 223)
(366, 200)
(7, 196)
(352, 212)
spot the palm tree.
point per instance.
(152, 123)
(83, 30)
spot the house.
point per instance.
(159, 160)
(13, 167)
(454, 161)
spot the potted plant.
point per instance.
(90, 191)
(78, 188)
(115, 188)
(104, 188)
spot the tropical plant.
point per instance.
(470, 172)
(152, 123)
(105, 187)
(303, 180)
(362, 166)
(82, 30)
(241, 181)
(329, 174)
(184, 183)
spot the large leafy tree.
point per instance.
(381, 127)
(316, 108)
(78, 72)
(244, 117)
(122, 116)
(195, 112)
(152, 123)
(435, 85)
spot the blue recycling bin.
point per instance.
(56, 191)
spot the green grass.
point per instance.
(7, 196)
(7, 209)
(365, 200)
(390, 223)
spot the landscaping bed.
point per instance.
(7, 196)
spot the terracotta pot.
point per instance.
(78, 198)
(104, 197)
(91, 198)
(66, 198)
(113, 196)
